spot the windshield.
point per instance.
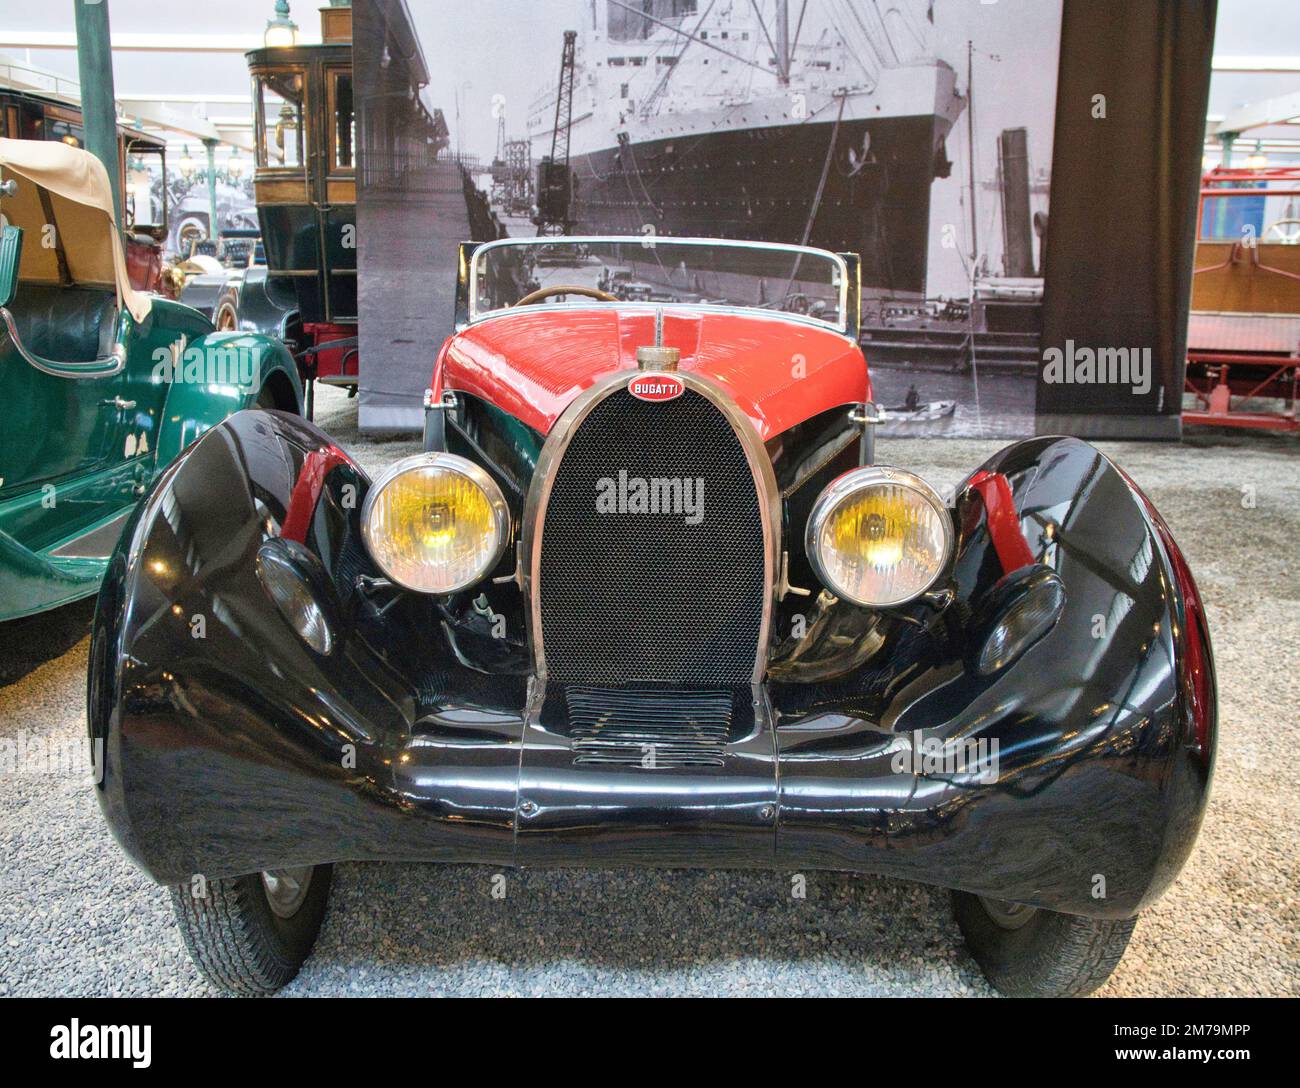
(808, 283)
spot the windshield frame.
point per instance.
(846, 265)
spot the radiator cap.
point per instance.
(650, 357)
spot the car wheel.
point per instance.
(250, 934)
(265, 397)
(1032, 952)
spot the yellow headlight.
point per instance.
(879, 537)
(435, 523)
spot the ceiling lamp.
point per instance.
(281, 31)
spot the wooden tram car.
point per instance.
(305, 189)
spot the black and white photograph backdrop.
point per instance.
(915, 133)
(924, 135)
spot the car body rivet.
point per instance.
(767, 812)
(527, 807)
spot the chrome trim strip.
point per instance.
(548, 463)
(667, 307)
(641, 240)
(98, 543)
(104, 367)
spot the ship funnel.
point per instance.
(1017, 242)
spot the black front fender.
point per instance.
(1104, 729)
(228, 745)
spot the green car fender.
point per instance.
(216, 375)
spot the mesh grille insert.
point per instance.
(629, 596)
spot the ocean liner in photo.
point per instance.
(820, 122)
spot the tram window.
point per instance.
(146, 187)
(70, 134)
(24, 123)
(344, 134)
(280, 119)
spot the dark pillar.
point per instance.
(1126, 170)
(211, 147)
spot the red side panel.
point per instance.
(334, 363)
(306, 493)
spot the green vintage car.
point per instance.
(103, 385)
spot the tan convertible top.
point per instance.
(81, 205)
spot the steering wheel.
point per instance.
(1291, 237)
(563, 289)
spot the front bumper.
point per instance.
(243, 750)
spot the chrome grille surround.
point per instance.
(557, 442)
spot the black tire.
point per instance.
(266, 398)
(1041, 953)
(238, 942)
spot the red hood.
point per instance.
(534, 363)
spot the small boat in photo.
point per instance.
(915, 410)
(923, 413)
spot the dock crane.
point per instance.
(554, 178)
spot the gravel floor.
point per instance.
(76, 918)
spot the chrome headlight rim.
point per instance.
(849, 484)
(453, 463)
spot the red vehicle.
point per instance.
(648, 598)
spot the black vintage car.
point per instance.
(648, 597)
